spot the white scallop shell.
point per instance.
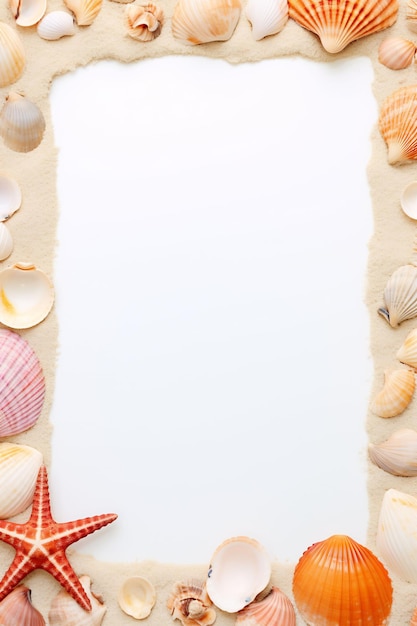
(137, 597)
(22, 123)
(10, 196)
(400, 296)
(27, 12)
(239, 570)
(267, 17)
(26, 296)
(398, 454)
(396, 53)
(65, 611)
(12, 55)
(6, 242)
(408, 200)
(19, 467)
(55, 25)
(203, 21)
(408, 351)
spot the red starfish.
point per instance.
(41, 544)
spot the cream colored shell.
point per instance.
(396, 394)
(144, 22)
(6, 242)
(65, 611)
(12, 55)
(203, 21)
(411, 15)
(398, 454)
(10, 196)
(19, 467)
(85, 11)
(27, 12)
(55, 25)
(137, 597)
(396, 53)
(398, 124)
(408, 351)
(400, 296)
(268, 17)
(22, 123)
(190, 604)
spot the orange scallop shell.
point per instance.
(275, 609)
(414, 618)
(339, 581)
(398, 124)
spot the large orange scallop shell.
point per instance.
(339, 22)
(398, 124)
(339, 581)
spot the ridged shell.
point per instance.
(27, 12)
(396, 53)
(414, 618)
(398, 124)
(144, 22)
(17, 609)
(12, 55)
(339, 23)
(203, 21)
(19, 467)
(408, 351)
(10, 196)
(396, 394)
(65, 611)
(411, 15)
(398, 454)
(22, 123)
(268, 17)
(137, 597)
(400, 296)
(190, 604)
(396, 538)
(239, 570)
(85, 11)
(55, 25)
(273, 610)
(26, 295)
(22, 384)
(338, 581)
(6, 242)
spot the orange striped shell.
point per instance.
(398, 124)
(339, 581)
(275, 609)
(414, 618)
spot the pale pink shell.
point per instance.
(274, 610)
(22, 384)
(396, 53)
(17, 609)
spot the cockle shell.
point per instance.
(85, 11)
(398, 124)
(411, 15)
(144, 22)
(396, 394)
(339, 23)
(190, 604)
(203, 21)
(17, 609)
(65, 611)
(400, 296)
(408, 351)
(26, 296)
(6, 242)
(55, 25)
(22, 384)
(27, 12)
(19, 467)
(267, 17)
(338, 581)
(12, 55)
(396, 537)
(137, 597)
(10, 196)
(273, 610)
(398, 454)
(22, 123)
(396, 53)
(239, 570)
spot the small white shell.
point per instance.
(27, 12)
(239, 570)
(26, 296)
(65, 611)
(408, 351)
(12, 55)
(396, 394)
(267, 17)
(398, 454)
(408, 200)
(6, 242)
(22, 123)
(203, 21)
(137, 597)
(400, 296)
(55, 25)
(19, 467)
(396, 53)
(10, 196)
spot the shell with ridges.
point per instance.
(411, 15)
(22, 123)
(268, 17)
(27, 12)
(203, 21)
(396, 53)
(396, 394)
(6, 242)
(414, 618)
(10, 196)
(19, 467)
(189, 603)
(144, 22)
(400, 296)
(17, 609)
(398, 454)
(85, 11)
(408, 351)
(339, 23)
(55, 25)
(65, 611)
(12, 55)
(398, 124)
(275, 609)
(338, 581)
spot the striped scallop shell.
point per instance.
(55, 25)
(339, 581)
(17, 609)
(411, 15)
(396, 394)
(273, 610)
(65, 611)
(12, 55)
(339, 23)
(22, 123)
(22, 384)
(203, 21)
(85, 11)
(400, 296)
(396, 53)
(19, 467)
(398, 124)
(414, 618)
(408, 351)
(398, 454)
(144, 22)
(267, 17)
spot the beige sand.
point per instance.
(34, 231)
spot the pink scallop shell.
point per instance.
(273, 610)
(17, 609)
(22, 384)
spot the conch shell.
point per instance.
(65, 611)
(398, 124)
(398, 454)
(396, 53)
(275, 609)
(190, 604)
(17, 609)
(203, 21)
(396, 394)
(144, 22)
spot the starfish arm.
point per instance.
(11, 533)
(41, 508)
(19, 568)
(70, 532)
(60, 568)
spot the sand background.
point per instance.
(34, 232)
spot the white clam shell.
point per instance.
(26, 296)
(6, 242)
(396, 538)
(65, 611)
(400, 296)
(27, 12)
(137, 597)
(239, 570)
(203, 21)
(10, 196)
(267, 17)
(408, 351)
(19, 467)
(398, 454)
(55, 25)
(12, 55)
(22, 123)
(408, 200)
(396, 53)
